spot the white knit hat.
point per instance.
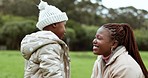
(48, 15)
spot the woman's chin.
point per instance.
(95, 52)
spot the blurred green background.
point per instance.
(19, 17)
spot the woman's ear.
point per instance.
(115, 44)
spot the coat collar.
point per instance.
(117, 52)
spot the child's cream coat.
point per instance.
(46, 56)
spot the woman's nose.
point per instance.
(94, 41)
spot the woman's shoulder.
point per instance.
(125, 61)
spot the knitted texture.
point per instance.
(49, 15)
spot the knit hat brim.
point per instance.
(51, 20)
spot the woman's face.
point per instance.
(102, 42)
(60, 29)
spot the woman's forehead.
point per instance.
(103, 31)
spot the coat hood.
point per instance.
(34, 41)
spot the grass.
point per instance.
(12, 64)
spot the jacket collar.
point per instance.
(117, 52)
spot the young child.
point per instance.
(118, 53)
(45, 53)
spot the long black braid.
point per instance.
(123, 33)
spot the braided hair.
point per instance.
(123, 33)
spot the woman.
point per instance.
(119, 55)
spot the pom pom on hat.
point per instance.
(42, 5)
(48, 15)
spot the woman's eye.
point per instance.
(98, 37)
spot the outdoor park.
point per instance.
(12, 64)
(18, 18)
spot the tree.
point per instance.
(128, 15)
(19, 7)
(13, 32)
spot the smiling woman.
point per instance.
(120, 57)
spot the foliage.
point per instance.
(19, 7)
(83, 11)
(13, 32)
(128, 15)
(6, 18)
(1, 21)
(70, 37)
(84, 16)
(84, 37)
(142, 38)
(90, 32)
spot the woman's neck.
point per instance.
(106, 58)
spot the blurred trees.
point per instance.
(134, 17)
(12, 33)
(81, 11)
(142, 38)
(18, 18)
(19, 7)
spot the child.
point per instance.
(45, 53)
(119, 55)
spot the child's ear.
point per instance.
(54, 25)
